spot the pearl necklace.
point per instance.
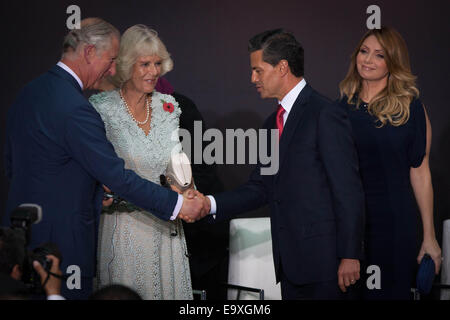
(131, 114)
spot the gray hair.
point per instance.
(94, 31)
(138, 41)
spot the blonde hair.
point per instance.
(138, 41)
(390, 105)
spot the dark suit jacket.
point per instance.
(316, 198)
(57, 155)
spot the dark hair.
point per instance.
(115, 292)
(12, 250)
(277, 45)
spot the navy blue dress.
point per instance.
(386, 155)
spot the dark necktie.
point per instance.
(280, 113)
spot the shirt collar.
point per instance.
(289, 99)
(70, 71)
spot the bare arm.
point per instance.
(423, 191)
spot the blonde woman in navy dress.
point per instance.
(393, 138)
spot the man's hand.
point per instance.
(207, 204)
(194, 206)
(51, 286)
(107, 201)
(348, 273)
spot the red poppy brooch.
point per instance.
(168, 106)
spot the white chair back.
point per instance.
(251, 259)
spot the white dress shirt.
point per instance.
(287, 102)
(73, 74)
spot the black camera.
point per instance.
(21, 220)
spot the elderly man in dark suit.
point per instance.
(316, 197)
(57, 155)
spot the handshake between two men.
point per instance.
(178, 177)
(195, 206)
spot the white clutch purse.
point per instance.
(178, 173)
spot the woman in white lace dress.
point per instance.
(136, 248)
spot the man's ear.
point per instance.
(89, 52)
(283, 66)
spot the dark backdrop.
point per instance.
(208, 42)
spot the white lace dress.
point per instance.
(136, 248)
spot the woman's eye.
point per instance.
(380, 56)
(362, 51)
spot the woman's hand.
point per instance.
(181, 192)
(431, 247)
(107, 201)
(174, 188)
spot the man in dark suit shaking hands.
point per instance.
(57, 156)
(316, 197)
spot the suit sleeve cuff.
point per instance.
(177, 209)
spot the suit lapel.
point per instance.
(61, 73)
(293, 122)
